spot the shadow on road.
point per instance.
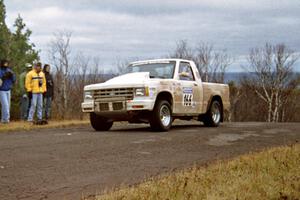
(146, 128)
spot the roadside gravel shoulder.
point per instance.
(27, 126)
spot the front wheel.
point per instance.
(100, 123)
(161, 119)
(213, 116)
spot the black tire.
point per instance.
(213, 116)
(100, 123)
(161, 118)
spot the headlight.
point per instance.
(88, 95)
(139, 92)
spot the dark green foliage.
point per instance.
(15, 46)
(21, 50)
(4, 33)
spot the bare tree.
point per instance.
(212, 64)
(79, 78)
(60, 52)
(272, 66)
(72, 73)
(204, 59)
(235, 96)
(96, 73)
(182, 50)
(290, 100)
(222, 60)
(85, 71)
(122, 66)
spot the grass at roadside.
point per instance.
(20, 125)
(271, 174)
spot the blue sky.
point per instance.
(128, 29)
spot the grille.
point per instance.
(118, 106)
(113, 94)
(104, 106)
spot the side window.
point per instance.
(186, 72)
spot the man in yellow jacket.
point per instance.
(35, 83)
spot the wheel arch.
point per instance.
(165, 95)
(219, 99)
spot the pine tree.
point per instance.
(21, 51)
(4, 33)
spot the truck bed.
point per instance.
(215, 88)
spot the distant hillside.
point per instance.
(237, 76)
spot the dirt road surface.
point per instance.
(71, 163)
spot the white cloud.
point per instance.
(134, 28)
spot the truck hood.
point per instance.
(136, 79)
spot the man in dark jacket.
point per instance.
(7, 79)
(25, 96)
(49, 94)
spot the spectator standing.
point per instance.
(25, 97)
(36, 84)
(48, 95)
(7, 79)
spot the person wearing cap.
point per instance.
(35, 83)
(7, 79)
(25, 97)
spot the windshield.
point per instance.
(156, 70)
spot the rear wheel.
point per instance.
(213, 115)
(161, 119)
(100, 123)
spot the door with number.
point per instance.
(189, 90)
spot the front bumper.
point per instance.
(118, 106)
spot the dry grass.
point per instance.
(20, 125)
(271, 174)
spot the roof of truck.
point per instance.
(158, 61)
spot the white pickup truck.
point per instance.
(156, 92)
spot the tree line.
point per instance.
(270, 92)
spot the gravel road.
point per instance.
(76, 162)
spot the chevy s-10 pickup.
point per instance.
(156, 92)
